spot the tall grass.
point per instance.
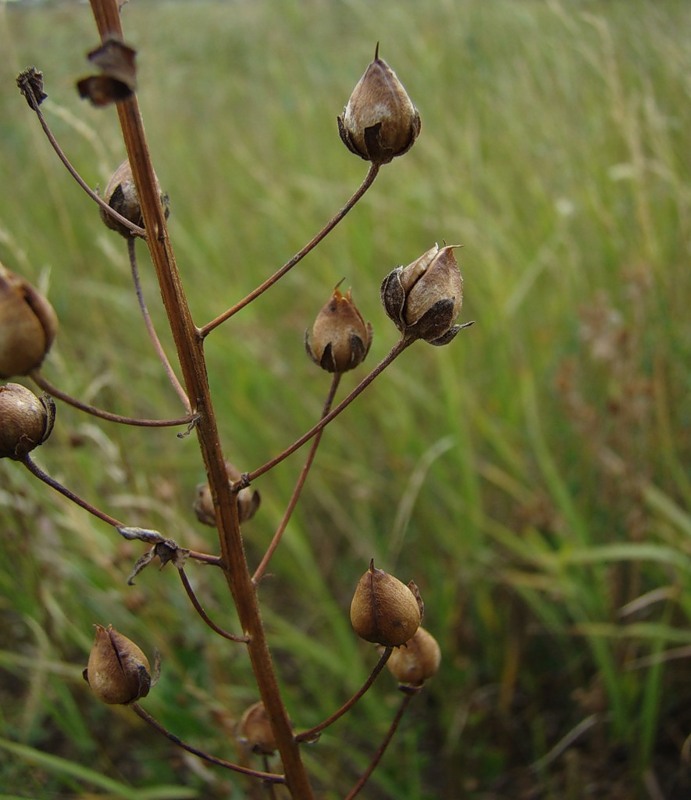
(532, 477)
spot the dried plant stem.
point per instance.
(269, 777)
(158, 347)
(35, 470)
(395, 351)
(31, 99)
(53, 390)
(189, 345)
(200, 610)
(382, 747)
(309, 735)
(271, 549)
(269, 282)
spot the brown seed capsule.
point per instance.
(384, 610)
(25, 420)
(118, 672)
(340, 338)
(424, 299)
(417, 660)
(248, 499)
(380, 121)
(121, 195)
(254, 730)
(28, 325)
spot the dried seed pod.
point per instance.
(384, 610)
(25, 420)
(417, 660)
(424, 299)
(380, 121)
(118, 672)
(248, 499)
(340, 338)
(28, 325)
(254, 730)
(121, 195)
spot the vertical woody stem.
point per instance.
(189, 344)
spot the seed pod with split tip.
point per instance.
(121, 195)
(424, 299)
(417, 660)
(28, 325)
(380, 121)
(248, 499)
(118, 672)
(25, 420)
(340, 338)
(384, 610)
(254, 730)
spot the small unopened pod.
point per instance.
(254, 730)
(25, 420)
(384, 610)
(248, 499)
(118, 672)
(121, 195)
(417, 661)
(28, 325)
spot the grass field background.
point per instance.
(532, 477)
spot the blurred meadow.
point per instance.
(532, 477)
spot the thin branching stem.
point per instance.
(269, 282)
(35, 470)
(151, 330)
(200, 610)
(42, 382)
(307, 736)
(382, 747)
(395, 351)
(33, 102)
(269, 777)
(304, 472)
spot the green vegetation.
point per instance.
(533, 477)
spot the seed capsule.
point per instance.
(417, 660)
(424, 299)
(248, 500)
(28, 325)
(384, 610)
(25, 420)
(121, 195)
(340, 338)
(380, 121)
(118, 672)
(254, 730)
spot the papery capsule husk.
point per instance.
(380, 121)
(121, 195)
(248, 499)
(28, 325)
(25, 420)
(340, 338)
(118, 672)
(254, 730)
(383, 609)
(417, 660)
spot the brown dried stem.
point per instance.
(200, 610)
(271, 549)
(382, 747)
(308, 736)
(269, 282)
(189, 344)
(268, 777)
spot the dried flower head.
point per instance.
(248, 499)
(118, 672)
(28, 325)
(384, 610)
(380, 121)
(25, 420)
(417, 660)
(121, 195)
(424, 299)
(340, 338)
